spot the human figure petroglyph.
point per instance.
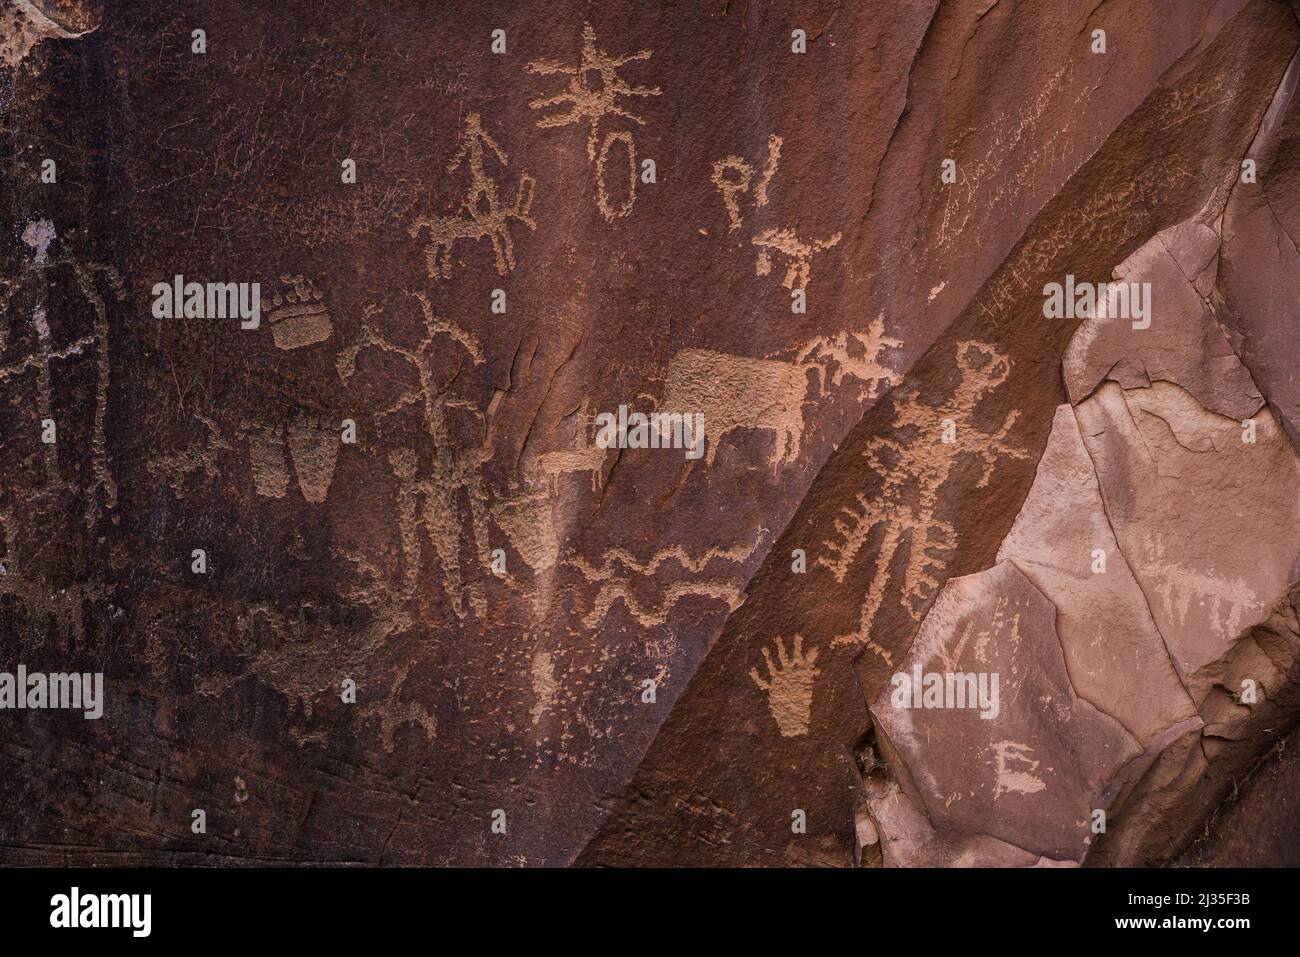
(1224, 602)
(789, 686)
(480, 213)
(35, 276)
(432, 502)
(913, 470)
(593, 94)
(798, 253)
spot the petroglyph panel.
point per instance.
(361, 576)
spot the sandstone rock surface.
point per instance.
(362, 577)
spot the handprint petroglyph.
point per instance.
(789, 686)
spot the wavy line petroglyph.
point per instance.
(789, 686)
(480, 214)
(912, 471)
(618, 568)
(593, 93)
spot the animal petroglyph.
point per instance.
(855, 355)
(303, 662)
(298, 317)
(432, 502)
(584, 457)
(799, 254)
(737, 392)
(480, 213)
(732, 176)
(789, 686)
(913, 469)
(594, 92)
(549, 466)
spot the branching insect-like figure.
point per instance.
(913, 472)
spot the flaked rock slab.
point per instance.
(1205, 519)
(1183, 343)
(1027, 771)
(1063, 543)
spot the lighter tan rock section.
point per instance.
(1063, 543)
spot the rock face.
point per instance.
(392, 538)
